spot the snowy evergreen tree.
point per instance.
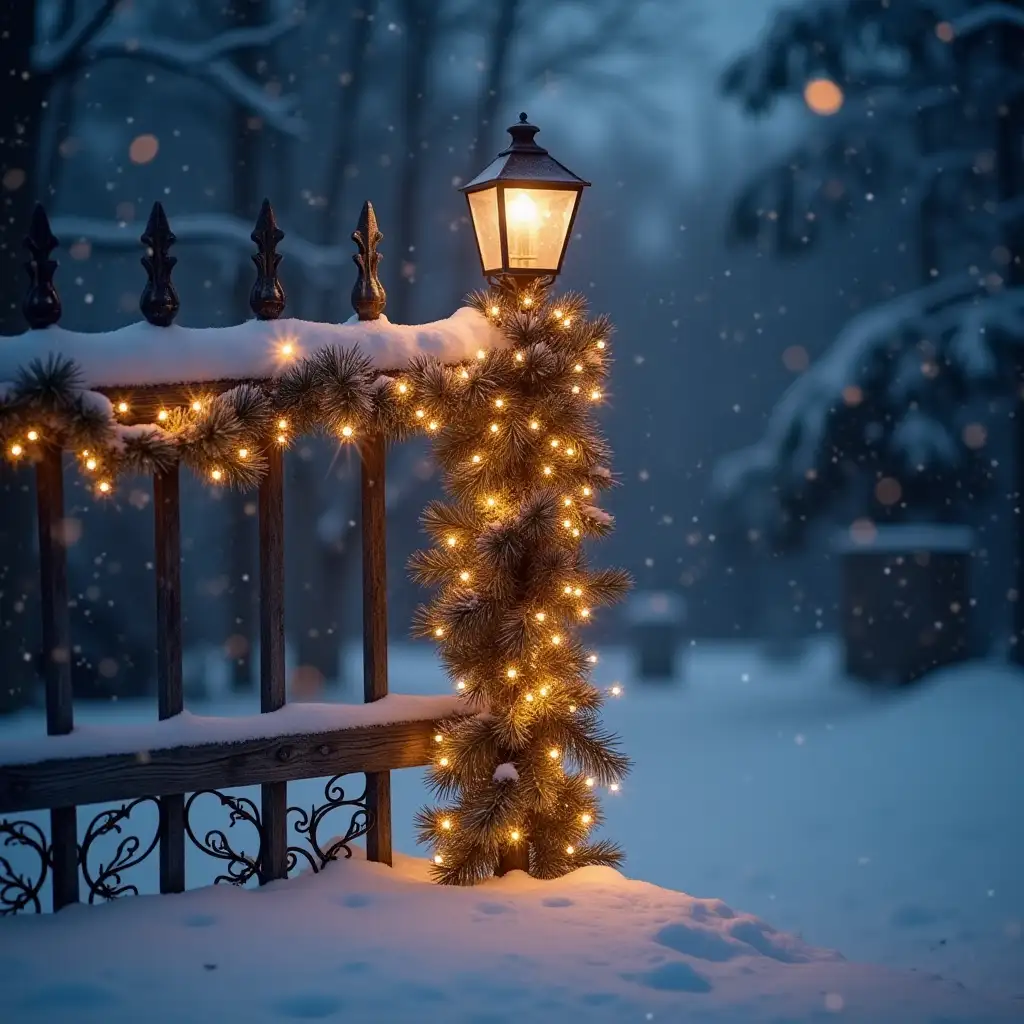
(923, 99)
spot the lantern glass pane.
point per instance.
(536, 224)
(483, 207)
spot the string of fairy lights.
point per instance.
(523, 460)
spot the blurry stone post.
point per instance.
(654, 620)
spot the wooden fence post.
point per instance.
(42, 308)
(53, 575)
(267, 301)
(159, 305)
(368, 300)
(170, 694)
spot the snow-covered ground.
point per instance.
(889, 828)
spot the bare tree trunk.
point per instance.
(20, 115)
(1010, 181)
(246, 139)
(421, 32)
(485, 130)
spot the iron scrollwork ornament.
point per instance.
(107, 883)
(21, 891)
(241, 868)
(308, 824)
(368, 295)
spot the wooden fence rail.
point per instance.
(60, 784)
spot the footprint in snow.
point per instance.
(355, 900)
(672, 977)
(308, 1006)
(200, 921)
(556, 901)
(493, 908)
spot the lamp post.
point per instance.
(523, 205)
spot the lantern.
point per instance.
(523, 206)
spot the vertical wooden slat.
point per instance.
(375, 631)
(274, 795)
(170, 694)
(53, 575)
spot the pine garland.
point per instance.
(523, 462)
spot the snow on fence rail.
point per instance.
(183, 754)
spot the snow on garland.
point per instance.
(319, 378)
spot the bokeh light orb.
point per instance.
(823, 96)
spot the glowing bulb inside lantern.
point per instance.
(567, 321)
(522, 220)
(578, 368)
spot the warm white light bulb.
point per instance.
(553, 753)
(438, 738)
(16, 449)
(541, 616)
(616, 690)
(439, 631)
(548, 471)
(529, 698)
(556, 639)
(495, 310)
(433, 425)
(443, 762)
(476, 458)
(438, 859)
(89, 465)
(282, 424)
(243, 453)
(446, 824)
(216, 474)
(464, 576)
(534, 425)
(403, 388)
(600, 344)
(570, 850)
(104, 486)
(586, 819)
(590, 783)
(162, 415)
(196, 406)
(499, 403)
(33, 435)
(511, 673)
(122, 406)
(420, 413)
(287, 350)
(346, 431)
(461, 684)
(494, 428)
(614, 787)
(451, 542)
(514, 835)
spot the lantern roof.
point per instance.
(524, 161)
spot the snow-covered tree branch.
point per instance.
(321, 262)
(207, 60)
